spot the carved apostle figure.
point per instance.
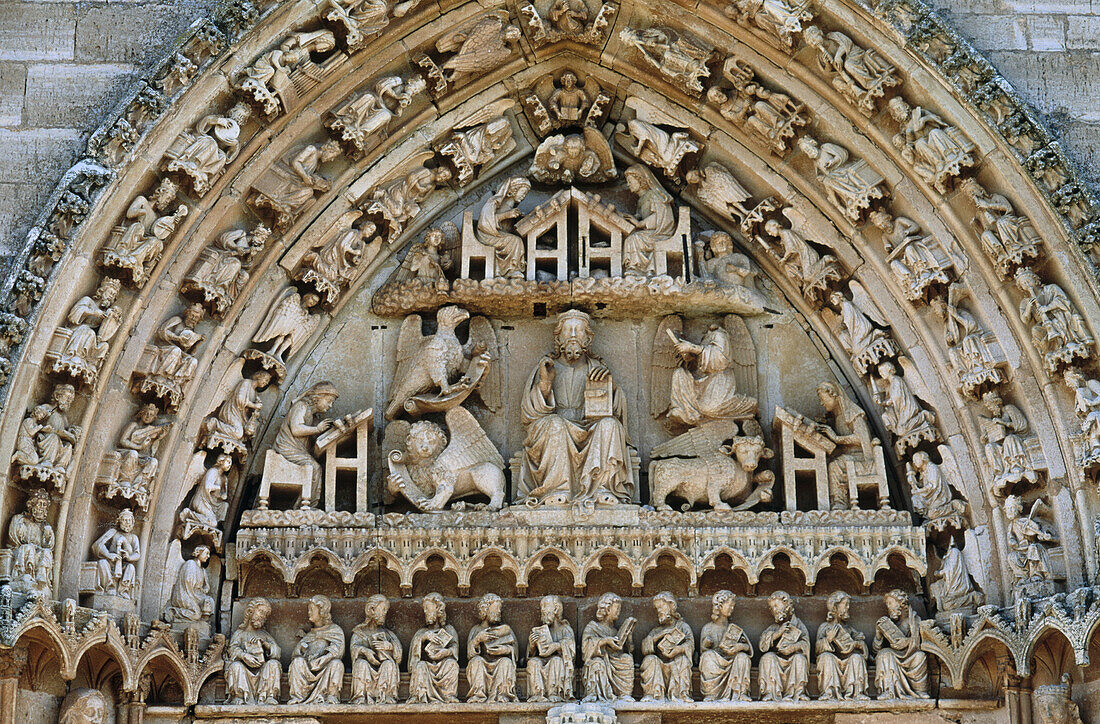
(576, 444)
(375, 656)
(668, 651)
(608, 673)
(222, 269)
(190, 600)
(1057, 328)
(93, 322)
(726, 658)
(785, 644)
(433, 656)
(937, 151)
(491, 652)
(44, 442)
(811, 270)
(852, 436)
(365, 119)
(551, 650)
(841, 653)
(901, 668)
(493, 228)
(252, 671)
(972, 349)
(291, 184)
(202, 154)
(704, 387)
(84, 706)
(137, 460)
(913, 256)
(333, 263)
(299, 427)
(269, 81)
(31, 539)
(316, 672)
(116, 552)
(235, 420)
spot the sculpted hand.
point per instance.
(599, 374)
(546, 377)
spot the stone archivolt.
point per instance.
(625, 247)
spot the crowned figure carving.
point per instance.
(860, 74)
(44, 443)
(82, 346)
(568, 20)
(135, 247)
(31, 542)
(200, 156)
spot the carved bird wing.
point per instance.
(469, 444)
(477, 43)
(950, 469)
(866, 304)
(486, 113)
(698, 441)
(915, 381)
(282, 318)
(483, 336)
(721, 189)
(743, 356)
(664, 361)
(595, 141)
(409, 342)
(545, 152)
(196, 469)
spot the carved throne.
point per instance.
(472, 250)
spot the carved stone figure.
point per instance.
(1051, 703)
(316, 671)
(375, 656)
(491, 652)
(494, 224)
(291, 184)
(190, 601)
(916, 259)
(783, 19)
(1057, 328)
(785, 645)
(200, 155)
(331, 266)
(136, 247)
(1029, 559)
(608, 673)
(770, 116)
(810, 270)
(362, 20)
(44, 443)
(841, 653)
(654, 222)
(235, 420)
(566, 102)
(575, 447)
(855, 447)
(222, 268)
(719, 264)
(398, 201)
(901, 668)
(1003, 427)
(433, 656)
(288, 324)
(700, 468)
(726, 658)
(903, 413)
(1009, 240)
(204, 514)
(479, 47)
(951, 587)
(167, 368)
(668, 650)
(937, 151)
(573, 158)
(252, 671)
(860, 330)
(859, 74)
(137, 462)
(31, 540)
(851, 185)
(427, 261)
(931, 489)
(299, 427)
(431, 472)
(657, 147)
(84, 706)
(270, 82)
(972, 348)
(551, 652)
(116, 552)
(367, 119)
(680, 59)
(477, 143)
(717, 187)
(1086, 394)
(93, 322)
(568, 20)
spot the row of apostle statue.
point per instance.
(253, 671)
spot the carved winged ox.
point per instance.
(429, 367)
(431, 472)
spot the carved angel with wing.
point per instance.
(479, 47)
(713, 380)
(431, 472)
(859, 330)
(569, 158)
(288, 323)
(429, 367)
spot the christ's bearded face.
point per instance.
(575, 339)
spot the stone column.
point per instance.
(12, 662)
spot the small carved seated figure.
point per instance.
(785, 665)
(433, 656)
(252, 671)
(190, 600)
(375, 656)
(135, 248)
(93, 322)
(491, 652)
(551, 650)
(841, 653)
(608, 673)
(137, 462)
(365, 120)
(316, 672)
(668, 650)
(726, 660)
(289, 186)
(31, 541)
(235, 420)
(200, 155)
(44, 443)
(901, 668)
(116, 552)
(167, 367)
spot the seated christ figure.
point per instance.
(576, 446)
